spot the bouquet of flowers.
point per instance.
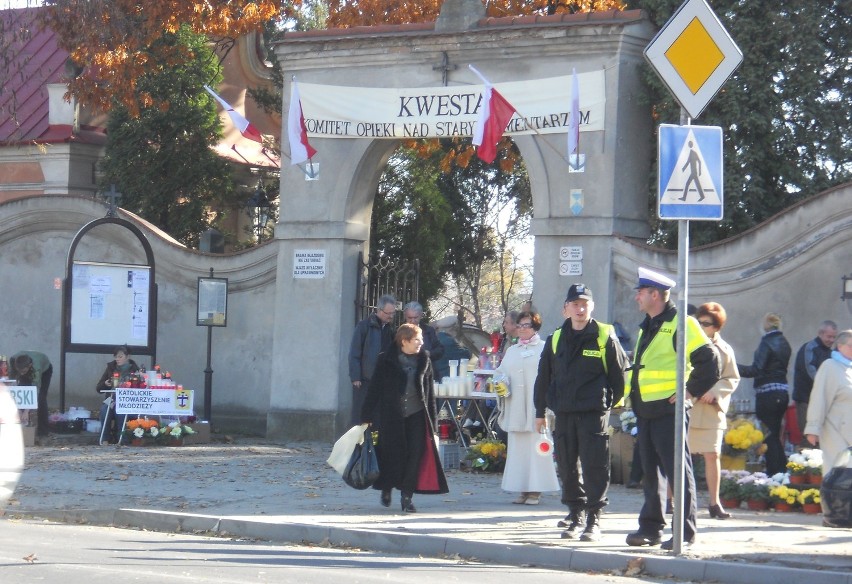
(142, 429)
(809, 496)
(175, 431)
(729, 487)
(487, 455)
(813, 461)
(742, 436)
(755, 487)
(628, 422)
(784, 494)
(796, 465)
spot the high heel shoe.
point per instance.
(716, 512)
(407, 505)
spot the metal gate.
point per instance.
(385, 276)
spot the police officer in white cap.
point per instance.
(653, 396)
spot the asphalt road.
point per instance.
(36, 551)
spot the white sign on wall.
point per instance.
(571, 253)
(309, 263)
(570, 268)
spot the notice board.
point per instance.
(109, 304)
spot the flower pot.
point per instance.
(757, 504)
(733, 462)
(798, 479)
(137, 442)
(811, 508)
(730, 503)
(175, 442)
(783, 507)
(814, 479)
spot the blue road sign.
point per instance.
(690, 172)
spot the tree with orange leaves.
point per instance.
(344, 13)
(113, 42)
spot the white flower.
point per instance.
(176, 431)
(155, 431)
(139, 432)
(634, 431)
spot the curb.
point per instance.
(684, 568)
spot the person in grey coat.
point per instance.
(372, 336)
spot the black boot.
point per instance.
(577, 519)
(593, 528)
(385, 498)
(405, 501)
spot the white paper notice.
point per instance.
(309, 263)
(97, 306)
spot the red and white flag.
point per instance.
(574, 118)
(245, 127)
(300, 148)
(494, 116)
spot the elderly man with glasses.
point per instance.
(372, 336)
(413, 313)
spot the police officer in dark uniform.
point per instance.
(580, 378)
(653, 395)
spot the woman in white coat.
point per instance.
(830, 409)
(526, 472)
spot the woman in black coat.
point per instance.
(402, 392)
(769, 371)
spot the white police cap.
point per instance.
(650, 278)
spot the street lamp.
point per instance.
(846, 294)
(258, 209)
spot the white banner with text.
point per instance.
(543, 106)
(153, 402)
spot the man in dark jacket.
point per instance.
(580, 378)
(413, 314)
(808, 359)
(372, 336)
(653, 396)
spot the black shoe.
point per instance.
(593, 529)
(407, 506)
(639, 539)
(385, 499)
(716, 512)
(577, 522)
(668, 545)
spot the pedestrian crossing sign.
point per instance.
(690, 172)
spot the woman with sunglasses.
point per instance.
(707, 420)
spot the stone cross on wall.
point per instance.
(445, 67)
(113, 197)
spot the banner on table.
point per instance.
(153, 402)
(544, 106)
(25, 396)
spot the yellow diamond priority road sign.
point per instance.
(693, 55)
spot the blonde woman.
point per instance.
(707, 420)
(769, 370)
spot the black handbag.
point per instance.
(363, 468)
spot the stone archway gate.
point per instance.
(330, 216)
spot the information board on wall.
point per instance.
(109, 303)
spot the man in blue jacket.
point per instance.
(372, 336)
(808, 359)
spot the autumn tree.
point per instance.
(162, 160)
(116, 41)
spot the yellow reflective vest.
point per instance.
(658, 364)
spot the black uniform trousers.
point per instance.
(581, 443)
(656, 447)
